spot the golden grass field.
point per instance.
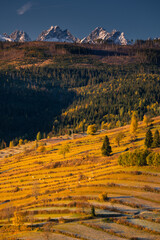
(46, 196)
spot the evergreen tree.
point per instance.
(106, 148)
(93, 211)
(149, 139)
(3, 144)
(156, 139)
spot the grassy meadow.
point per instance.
(46, 195)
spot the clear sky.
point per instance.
(138, 19)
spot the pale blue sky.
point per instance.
(139, 19)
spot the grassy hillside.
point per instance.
(53, 87)
(47, 196)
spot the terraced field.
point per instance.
(46, 196)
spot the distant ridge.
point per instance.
(56, 34)
(99, 34)
(18, 36)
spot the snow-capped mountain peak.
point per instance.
(18, 36)
(5, 39)
(56, 34)
(100, 34)
(97, 33)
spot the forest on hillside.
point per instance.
(52, 88)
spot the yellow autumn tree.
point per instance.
(146, 120)
(64, 149)
(134, 124)
(119, 138)
(18, 219)
(91, 129)
(11, 144)
(20, 141)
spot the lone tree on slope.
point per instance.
(149, 139)
(64, 149)
(134, 125)
(106, 148)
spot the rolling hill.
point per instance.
(54, 87)
(47, 195)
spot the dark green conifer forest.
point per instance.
(51, 87)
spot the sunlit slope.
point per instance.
(45, 185)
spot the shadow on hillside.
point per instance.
(121, 197)
(28, 111)
(105, 53)
(139, 139)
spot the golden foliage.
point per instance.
(134, 123)
(91, 129)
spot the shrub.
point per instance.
(150, 158)
(156, 160)
(103, 196)
(136, 158)
(16, 189)
(41, 149)
(91, 129)
(124, 159)
(153, 159)
(20, 141)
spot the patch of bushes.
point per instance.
(103, 196)
(136, 158)
(153, 159)
(41, 149)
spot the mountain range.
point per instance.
(56, 34)
(101, 35)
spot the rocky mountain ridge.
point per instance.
(56, 34)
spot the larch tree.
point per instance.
(64, 149)
(18, 219)
(39, 136)
(91, 129)
(119, 138)
(134, 124)
(146, 120)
